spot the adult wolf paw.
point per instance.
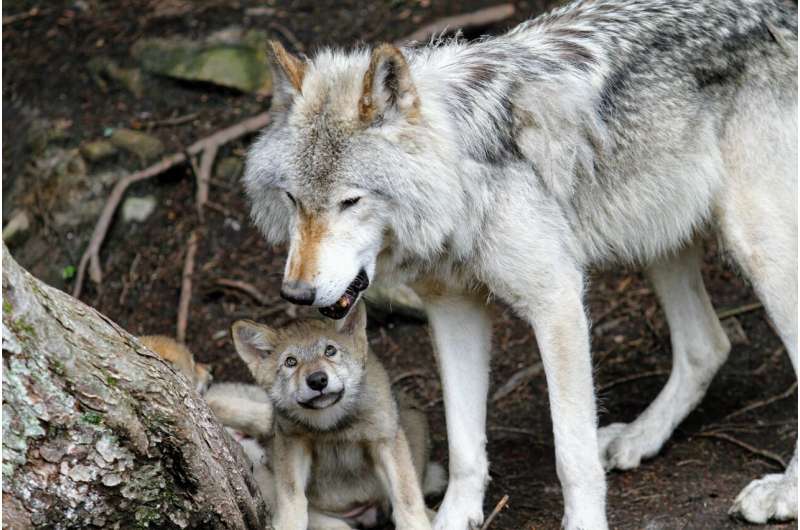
(620, 446)
(770, 497)
(460, 510)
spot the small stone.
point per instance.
(104, 70)
(138, 209)
(98, 150)
(111, 480)
(144, 146)
(231, 58)
(16, 229)
(229, 168)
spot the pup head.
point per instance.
(333, 173)
(312, 369)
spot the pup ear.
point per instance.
(287, 74)
(253, 342)
(387, 86)
(355, 323)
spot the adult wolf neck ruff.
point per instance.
(601, 133)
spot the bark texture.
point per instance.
(99, 431)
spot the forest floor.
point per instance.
(691, 484)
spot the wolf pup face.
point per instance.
(312, 369)
(325, 173)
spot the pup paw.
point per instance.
(770, 497)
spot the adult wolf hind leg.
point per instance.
(699, 348)
(757, 217)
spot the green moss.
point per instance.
(111, 380)
(57, 366)
(92, 417)
(20, 326)
(7, 307)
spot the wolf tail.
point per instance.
(435, 480)
(244, 408)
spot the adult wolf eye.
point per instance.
(290, 362)
(330, 350)
(291, 198)
(349, 202)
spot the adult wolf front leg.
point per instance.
(462, 335)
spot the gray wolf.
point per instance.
(179, 356)
(342, 450)
(604, 133)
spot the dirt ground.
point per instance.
(690, 484)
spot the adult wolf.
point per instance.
(605, 132)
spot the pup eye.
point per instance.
(291, 198)
(347, 203)
(330, 350)
(290, 362)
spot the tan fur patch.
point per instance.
(294, 68)
(303, 266)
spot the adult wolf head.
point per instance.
(346, 143)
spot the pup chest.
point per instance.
(342, 476)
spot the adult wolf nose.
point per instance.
(317, 381)
(298, 292)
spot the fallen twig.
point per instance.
(761, 403)
(722, 315)
(481, 17)
(186, 287)
(629, 378)
(32, 12)
(90, 256)
(500, 505)
(516, 380)
(248, 289)
(764, 453)
(409, 374)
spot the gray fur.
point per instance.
(605, 132)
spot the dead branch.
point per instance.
(761, 403)
(91, 257)
(500, 505)
(763, 453)
(186, 287)
(481, 17)
(25, 15)
(517, 379)
(747, 308)
(628, 379)
(248, 289)
(409, 374)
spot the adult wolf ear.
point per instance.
(287, 75)
(254, 342)
(355, 325)
(388, 87)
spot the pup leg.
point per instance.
(396, 470)
(462, 338)
(699, 348)
(320, 521)
(759, 227)
(292, 461)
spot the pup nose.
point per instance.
(317, 380)
(298, 292)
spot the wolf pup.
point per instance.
(179, 355)
(603, 133)
(341, 445)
